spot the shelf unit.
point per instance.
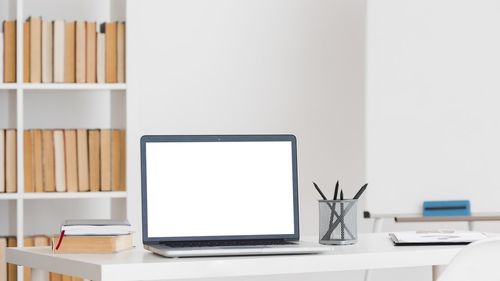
(28, 106)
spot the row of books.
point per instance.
(63, 160)
(8, 272)
(61, 51)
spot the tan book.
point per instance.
(69, 52)
(115, 160)
(91, 54)
(28, 242)
(3, 264)
(71, 160)
(29, 173)
(2, 161)
(59, 51)
(9, 55)
(74, 278)
(41, 241)
(93, 244)
(94, 160)
(101, 58)
(59, 161)
(10, 160)
(49, 184)
(123, 161)
(80, 52)
(120, 52)
(1, 56)
(26, 52)
(83, 160)
(35, 49)
(67, 278)
(11, 268)
(47, 52)
(109, 29)
(38, 159)
(105, 160)
(55, 276)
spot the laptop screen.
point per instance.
(219, 187)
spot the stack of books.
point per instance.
(58, 51)
(93, 236)
(72, 160)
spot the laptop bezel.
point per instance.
(217, 138)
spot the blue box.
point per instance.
(446, 208)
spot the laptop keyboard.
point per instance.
(192, 244)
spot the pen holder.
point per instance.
(338, 222)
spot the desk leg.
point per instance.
(436, 271)
(39, 275)
(377, 227)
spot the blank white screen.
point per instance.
(219, 188)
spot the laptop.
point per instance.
(221, 195)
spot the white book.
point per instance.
(47, 52)
(2, 161)
(59, 51)
(96, 227)
(1, 57)
(101, 58)
(60, 165)
(436, 237)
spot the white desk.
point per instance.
(373, 251)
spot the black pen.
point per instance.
(342, 216)
(319, 191)
(336, 191)
(361, 190)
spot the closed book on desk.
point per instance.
(96, 227)
(92, 244)
(425, 238)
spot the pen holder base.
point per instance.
(338, 222)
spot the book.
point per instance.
(26, 52)
(80, 52)
(123, 161)
(71, 160)
(1, 56)
(59, 46)
(101, 58)
(9, 48)
(49, 184)
(91, 76)
(28, 242)
(115, 160)
(11, 268)
(92, 244)
(29, 183)
(2, 161)
(59, 161)
(83, 160)
(35, 49)
(38, 160)
(55, 276)
(10, 160)
(69, 52)
(47, 51)
(109, 29)
(120, 52)
(94, 160)
(415, 238)
(106, 227)
(105, 160)
(3, 264)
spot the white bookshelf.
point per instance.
(28, 106)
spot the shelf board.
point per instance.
(8, 86)
(9, 196)
(73, 86)
(73, 195)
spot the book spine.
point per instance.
(10, 160)
(69, 52)
(26, 52)
(80, 52)
(60, 163)
(71, 160)
(48, 161)
(91, 52)
(29, 185)
(59, 51)
(83, 160)
(47, 52)
(2, 161)
(105, 160)
(35, 49)
(9, 31)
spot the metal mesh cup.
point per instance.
(338, 222)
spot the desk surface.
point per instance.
(371, 252)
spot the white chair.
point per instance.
(479, 261)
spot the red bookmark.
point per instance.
(61, 236)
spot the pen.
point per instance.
(319, 191)
(361, 190)
(336, 191)
(342, 216)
